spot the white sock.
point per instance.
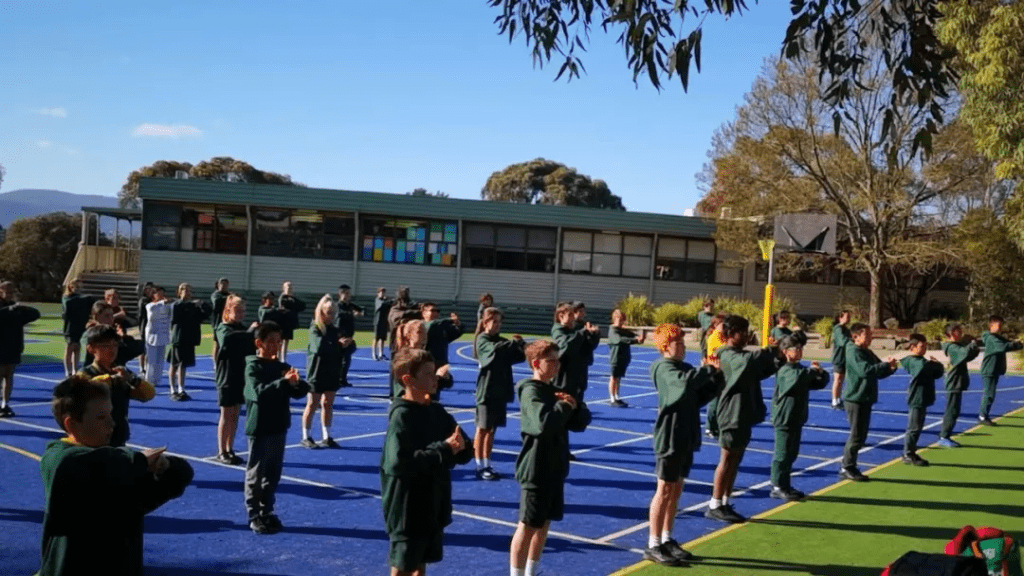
(305, 433)
(653, 541)
(487, 462)
(835, 401)
(716, 503)
(665, 537)
(725, 500)
(479, 463)
(3, 403)
(517, 571)
(531, 567)
(326, 429)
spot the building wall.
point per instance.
(508, 286)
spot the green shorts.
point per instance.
(734, 439)
(408, 555)
(230, 395)
(491, 415)
(673, 468)
(538, 507)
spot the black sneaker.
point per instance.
(487, 474)
(676, 551)
(572, 457)
(852, 474)
(787, 494)
(272, 522)
(6, 412)
(259, 526)
(618, 403)
(837, 405)
(329, 443)
(235, 458)
(660, 555)
(224, 458)
(308, 443)
(915, 460)
(174, 396)
(183, 396)
(986, 421)
(710, 434)
(724, 513)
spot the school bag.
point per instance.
(999, 551)
(921, 564)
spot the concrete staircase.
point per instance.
(126, 284)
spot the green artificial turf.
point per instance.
(856, 529)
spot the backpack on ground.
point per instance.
(999, 551)
(920, 564)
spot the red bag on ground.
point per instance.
(999, 551)
(920, 564)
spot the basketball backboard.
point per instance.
(806, 232)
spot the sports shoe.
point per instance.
(487, 474)
(915, 460)
(617, 403)
(837, 405)
(183, 396)
(175, 396)
(787, 494)
(676, 551)
(329, 443)
(224, 458)
(986, 421)
(344, 384)
(6, 412)
(660, 555)
(308, 443)
(948, 443)
(273, 523)
(259, 526)
(724, 513)
(572, 457)
(710, 434)
(235, 458)
(852, 474)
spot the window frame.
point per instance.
(593, 255)
(534, 248)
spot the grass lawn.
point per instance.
(856, 529)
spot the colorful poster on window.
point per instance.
(420, 252)
(389, 255)
(368, 248)
(421, 234)
(451, 232)
(378, 254)
(453, 249)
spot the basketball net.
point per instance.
(766, 248)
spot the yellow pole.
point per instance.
(766, 322)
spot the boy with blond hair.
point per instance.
(993, 365)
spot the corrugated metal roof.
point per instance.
(219, 192)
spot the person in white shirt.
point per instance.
(158, 335)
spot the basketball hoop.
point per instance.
(766, 248)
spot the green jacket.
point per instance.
(441, 333)
(267, 394)
(619, 342)
(778, 333)
(95, 501)
(682, 390)
(236, 342)
(495, 383)
(863, 370)
(841, 336)
(323, 356)
(996, 347)
(13, 319)
(543, 461)
(741, 403)
(923, 374)
(218, 300)
(293, 306)
(75, 311)
(415, 477)
(273, 314)
(960, 353)
(793, 383)
(346, 320)
(573, 347)
(187, 322)
(130, 387)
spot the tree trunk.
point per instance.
(875, 297)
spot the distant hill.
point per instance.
(28, 202)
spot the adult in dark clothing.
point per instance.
(187, 317)
(346, 323)
(294, 306)
(381, 307)
(75, 311)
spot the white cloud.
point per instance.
(57, 112)
(44, 143)
(167, 131)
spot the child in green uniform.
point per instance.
(75, 310)
(781, 328)
(793, 383)
(101, 342)
(704, 318)
(234, 344)
(440, 332)
(840, 338)
(494, 387)
(574, 343)
(347, 311)
(187, 316)
(740, 407)
(381, 307)
(413, 334)
(960, 351)
(619, 354)
(920, 394)
(485, 301)
(682, 390)
(293, 306)
(323, 371)
(97, 495)
(863, 369)
(271, 311)
(993, 365)
(218, 299)
(547, 416)
(13, 319)
(269, 384)
(423, 444)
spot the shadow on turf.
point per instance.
(787, 567)
(17, 515)
(1002, 509)
(979, 466)
(31, 433)
(977, 485)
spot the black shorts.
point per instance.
(619, 370)
(538, 507)
(734, 439)
(324, 385)
(181, 355)
(673, 468)
(381, 332)
(230, 395)
(408, 555)
(491, 415)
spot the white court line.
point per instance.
(619, 443)
(735, 493)
(772, 452)
(611, 468)
(297, 480)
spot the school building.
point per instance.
(446, 250)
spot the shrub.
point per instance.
(745, 308)
(933, 330)
(638, 310)
(674, 313)
(824, 327)
(891, 323)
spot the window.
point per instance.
(683, 260)
(161, 222)
(410, 241)
(303, 233)
(510, 247)
(232, 230)
(606, 254)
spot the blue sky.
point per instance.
(348, 95)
